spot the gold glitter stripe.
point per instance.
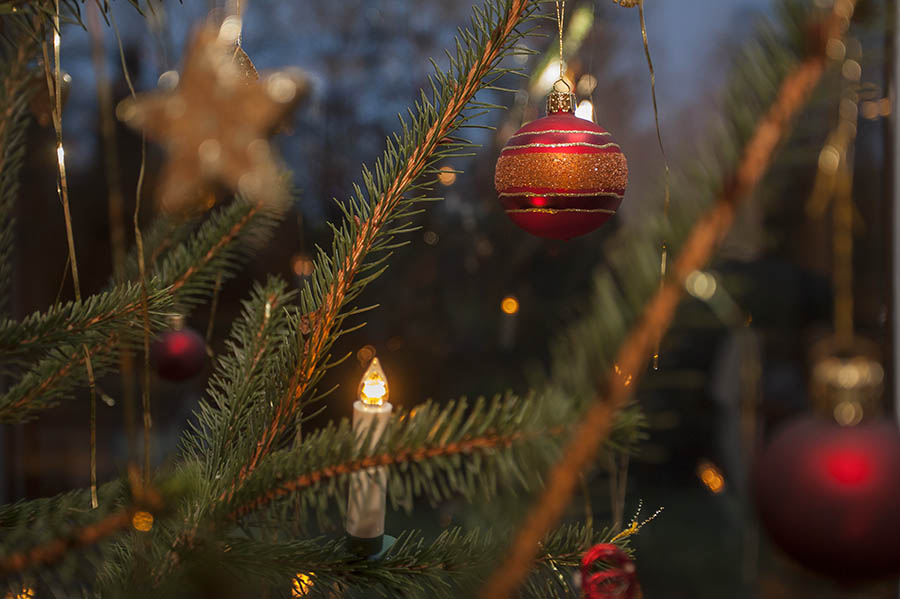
(601, 133)
(565, 194)
(570, 144)
(558, 210)
(563, 171)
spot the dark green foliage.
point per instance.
(14, 95)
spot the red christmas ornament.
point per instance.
(179, 355)
(561, 176)
(829, 496)
(619, 581)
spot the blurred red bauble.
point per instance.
(829, 496)
(561, 176)
(179, 355)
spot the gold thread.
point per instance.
(568, 144)
(558, 210)
(602, 133)
(567, 194)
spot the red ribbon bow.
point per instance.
(619, 581)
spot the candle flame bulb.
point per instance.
(373, 388)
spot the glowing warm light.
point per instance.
(447, 176)
(142, 521)
(509, 305)
(373, 388)
(586, 84)
(701, 285)
(22, 593)
(303, 583)
(848, 413)
(848, 467)
(585, 110)
(711, 477)
(302, 265)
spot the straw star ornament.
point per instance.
(214, 123)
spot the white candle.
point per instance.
(366, 504)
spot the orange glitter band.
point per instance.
(562, 171)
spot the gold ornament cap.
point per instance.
(560, 101)
(847, 380)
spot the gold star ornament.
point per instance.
(214, 121)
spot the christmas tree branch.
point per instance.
(447, 566)
(106, 320)
(67, 525)
(368, 214)
(704, 238)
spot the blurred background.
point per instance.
(443, 329)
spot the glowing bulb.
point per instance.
(509, 305)
(585, 110)
(60, 154)
(373, 388)
(142, 521)
(711, 477)
(303, 583)
(446, 175)
(22, 593)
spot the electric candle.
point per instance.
(366, 504)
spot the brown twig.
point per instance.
(632, 358)
(327, 315)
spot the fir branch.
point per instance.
(794, 91)
(422, 451)
(338, 278)
(62, 524)
(447, 566)
(110, 319)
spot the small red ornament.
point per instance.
(561, 176)
(829, 496)
(179, 354)
(619, 581)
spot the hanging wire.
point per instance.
(142, 269)
(54, 87)
(664, 246)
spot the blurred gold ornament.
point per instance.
(24, 592)
(214, 122)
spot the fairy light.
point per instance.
(373, 388)
(142, 521)
(447, 176)
(509, 305)
(303, 584)
(367, 496)
(711, 476)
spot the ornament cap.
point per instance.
(560, 101)
(847, 380)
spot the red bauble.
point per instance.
(617, 581)
(829, 496)
(179, 355)
(561, 176)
